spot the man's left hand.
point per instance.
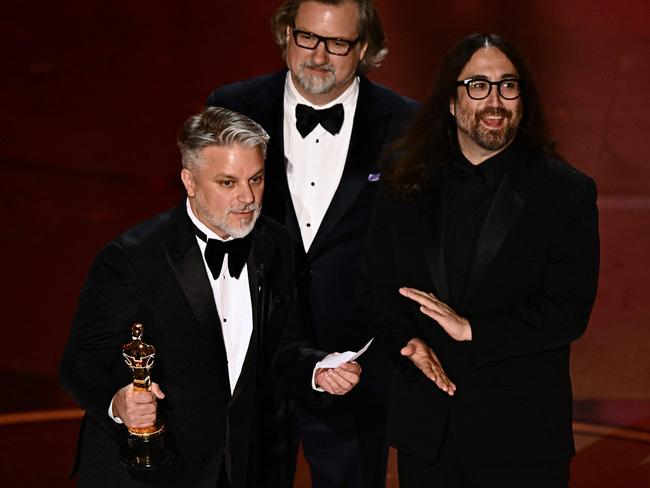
(456, 326)
(339, 381)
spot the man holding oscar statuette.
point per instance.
(329, 125)
(212, 283)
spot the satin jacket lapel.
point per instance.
(433, 232)
(184, 256)
(371, 120)
(269, 112)
(507, 206)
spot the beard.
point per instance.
(315, 84)
(244, 228)
(221, 222)
(490, 139)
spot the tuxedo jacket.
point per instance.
(529, 294)
(155, 274)
(329, 270)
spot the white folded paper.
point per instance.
(336, 359)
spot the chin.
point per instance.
(241, 228)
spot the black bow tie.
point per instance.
(236, 249)
(330, 118)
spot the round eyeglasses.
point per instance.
(479, 88)
(333, 45)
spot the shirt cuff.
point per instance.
(313, 375)
(115, 418)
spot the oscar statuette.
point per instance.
(148, 453)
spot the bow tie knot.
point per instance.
(307, 118)
(237, 251)
(215, 250)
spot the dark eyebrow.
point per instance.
(506, 76)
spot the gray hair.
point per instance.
(369, 26)
(217, 126)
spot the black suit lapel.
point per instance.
(506, 208)
(185, 259)
(433, 231)
(371, 121)
(268, 111)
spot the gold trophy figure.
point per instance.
(147, 453)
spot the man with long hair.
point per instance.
(328, 125)
(480, 269)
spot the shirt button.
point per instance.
(308, 224)
(312, 183)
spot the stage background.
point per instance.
(92, 95)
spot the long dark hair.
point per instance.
(430, 139)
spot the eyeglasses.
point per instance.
(333, 45)
(478, 89)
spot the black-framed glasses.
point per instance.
(480, 88)
(333, 45)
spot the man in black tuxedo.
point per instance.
(214, 286)
(482, 258)
(328, 125)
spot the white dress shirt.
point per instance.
(315, 164)
(233, 299)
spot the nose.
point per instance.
(319, 54)
(494, 99)
(246, 194)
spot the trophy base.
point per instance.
(150, 459)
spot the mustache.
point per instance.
(251, 207)
(498, 111)
(323, 67)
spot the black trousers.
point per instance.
(354, 457)
(223, 479)
(447, 472)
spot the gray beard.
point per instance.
(239, 232)
(316, 85)
(222, 224)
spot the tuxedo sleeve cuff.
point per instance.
(115, 418)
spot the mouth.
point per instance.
(323, 70)
(493, 121)
(494, 118)
(242, 213)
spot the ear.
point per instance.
(288, 34)
(362, 52)
(452, 107)
(188, 182)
